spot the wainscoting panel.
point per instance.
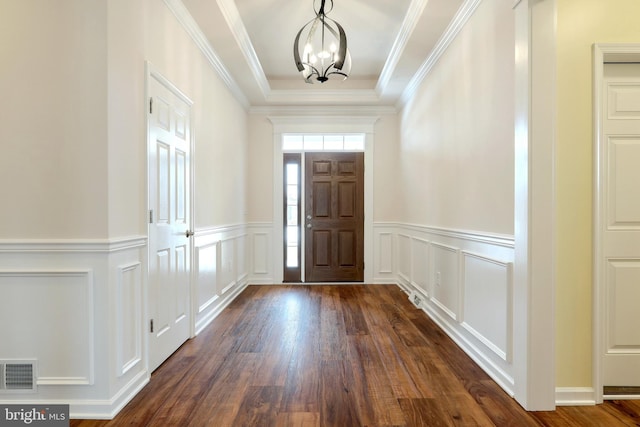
(462, 280)
(384, 255)
(420, 262)
(129, 317)
(445, 269)
(206, 270)
(260, 239)
(75, 306)
(404, 257)
(45, 313)
(221, 270)
(488, 309)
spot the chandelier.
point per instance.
(324, 52)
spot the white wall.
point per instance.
(456, 167)
(53, 119)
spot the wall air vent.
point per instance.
(17, 376)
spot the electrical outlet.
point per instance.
(438, 277)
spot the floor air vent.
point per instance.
(17, 376)
(415, 299)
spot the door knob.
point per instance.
(188, 233)
(308, 225)
(308, 216)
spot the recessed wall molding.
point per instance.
(54, 309)
(221, 269)
(129, 317)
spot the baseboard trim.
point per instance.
(101, 409)
(208, 318)
(575, 396)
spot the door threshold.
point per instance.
(620, 392)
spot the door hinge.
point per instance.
(150, 105)
(150, 216)
(151, 326)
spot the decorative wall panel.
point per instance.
(129, 317)
(44, 314)
(488, 302)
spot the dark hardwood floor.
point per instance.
(334, 356)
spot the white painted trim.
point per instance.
(322, 124)
(105, 409)
(123, 366)
(234, 21)
(602, 52)
(575, 396)
(322, 96)
(73, 245)
(534, 217)
(189, 24)
(504, 240)
(226, 300)
(416, 7)
(321, 110)
(448, 36)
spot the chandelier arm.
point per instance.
(296, 50)
(342, 38)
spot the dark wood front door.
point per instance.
(334, 217)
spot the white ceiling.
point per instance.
(389, 40)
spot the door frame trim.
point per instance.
(322, 123)
(152, 71)
(602, 52)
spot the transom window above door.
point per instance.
(320, 142)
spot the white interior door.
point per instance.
(169, 149)
(620, 227)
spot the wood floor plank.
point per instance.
(349, 356)
(302, 386)
(338, 407)
(379, 389)
(628, 410)
(298, 419)
(354, 320)
(424, 412)
(259, 407)
(580, 416)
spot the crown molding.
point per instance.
(239, 31)
(408, 26)
(288, 111)
(322, 122)
(320, 96)
(193, 30)
(457, 23)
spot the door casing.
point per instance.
(322, 123)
